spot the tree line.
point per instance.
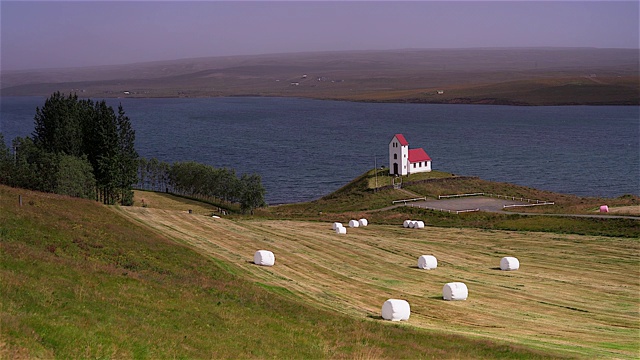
(202, 182)
(86, 149)
(79, 148)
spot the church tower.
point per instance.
(398, 155)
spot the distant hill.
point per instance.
(521, 76)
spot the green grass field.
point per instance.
(573, 294)
(78, 280)
(83, 280)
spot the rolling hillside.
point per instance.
(78, 280)
(518, 76)
(573, 294)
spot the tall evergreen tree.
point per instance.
(7, 163)
(58, 126)
(103, 150)
(127, 158)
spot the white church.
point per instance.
(405, 161)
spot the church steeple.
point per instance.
(398, 155)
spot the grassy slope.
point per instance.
(80, 281)
(572, 293)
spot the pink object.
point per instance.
(417, 155)
(402, 140)
(604, 208)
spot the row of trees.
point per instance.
(202, 181)
(85, 149)
(79, 148)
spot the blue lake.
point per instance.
(304, 149)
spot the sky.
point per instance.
(55, 34)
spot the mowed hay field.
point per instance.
(578, 294)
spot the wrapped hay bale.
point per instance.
(604, 209)
(336, 225)
(264, 258)
(406, 223)
(509, 263)
(396, 310)
(354, 223)
(427, 262)
(455, 291)
(363, 222)
(412, 224)
(419, 225)
(341, 230)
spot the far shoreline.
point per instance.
(455, 101)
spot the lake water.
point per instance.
(304, 149)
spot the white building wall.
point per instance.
(392, 151)
(402, 157)
(405, 160)
(418, 169)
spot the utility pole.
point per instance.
(375, 170)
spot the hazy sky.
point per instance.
(74, 33)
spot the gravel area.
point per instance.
(467, 203)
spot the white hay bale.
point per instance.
(428, 262)
(341, 230)
(419, 225)
(413, 224)
(455, 291)
(264, 258)
(604, 209)
(363, 222)
(406, 223)
(509, 263)
(396, 310)
(336, 225)
(354, 223)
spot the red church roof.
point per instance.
(418, 155)
(402, 140)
